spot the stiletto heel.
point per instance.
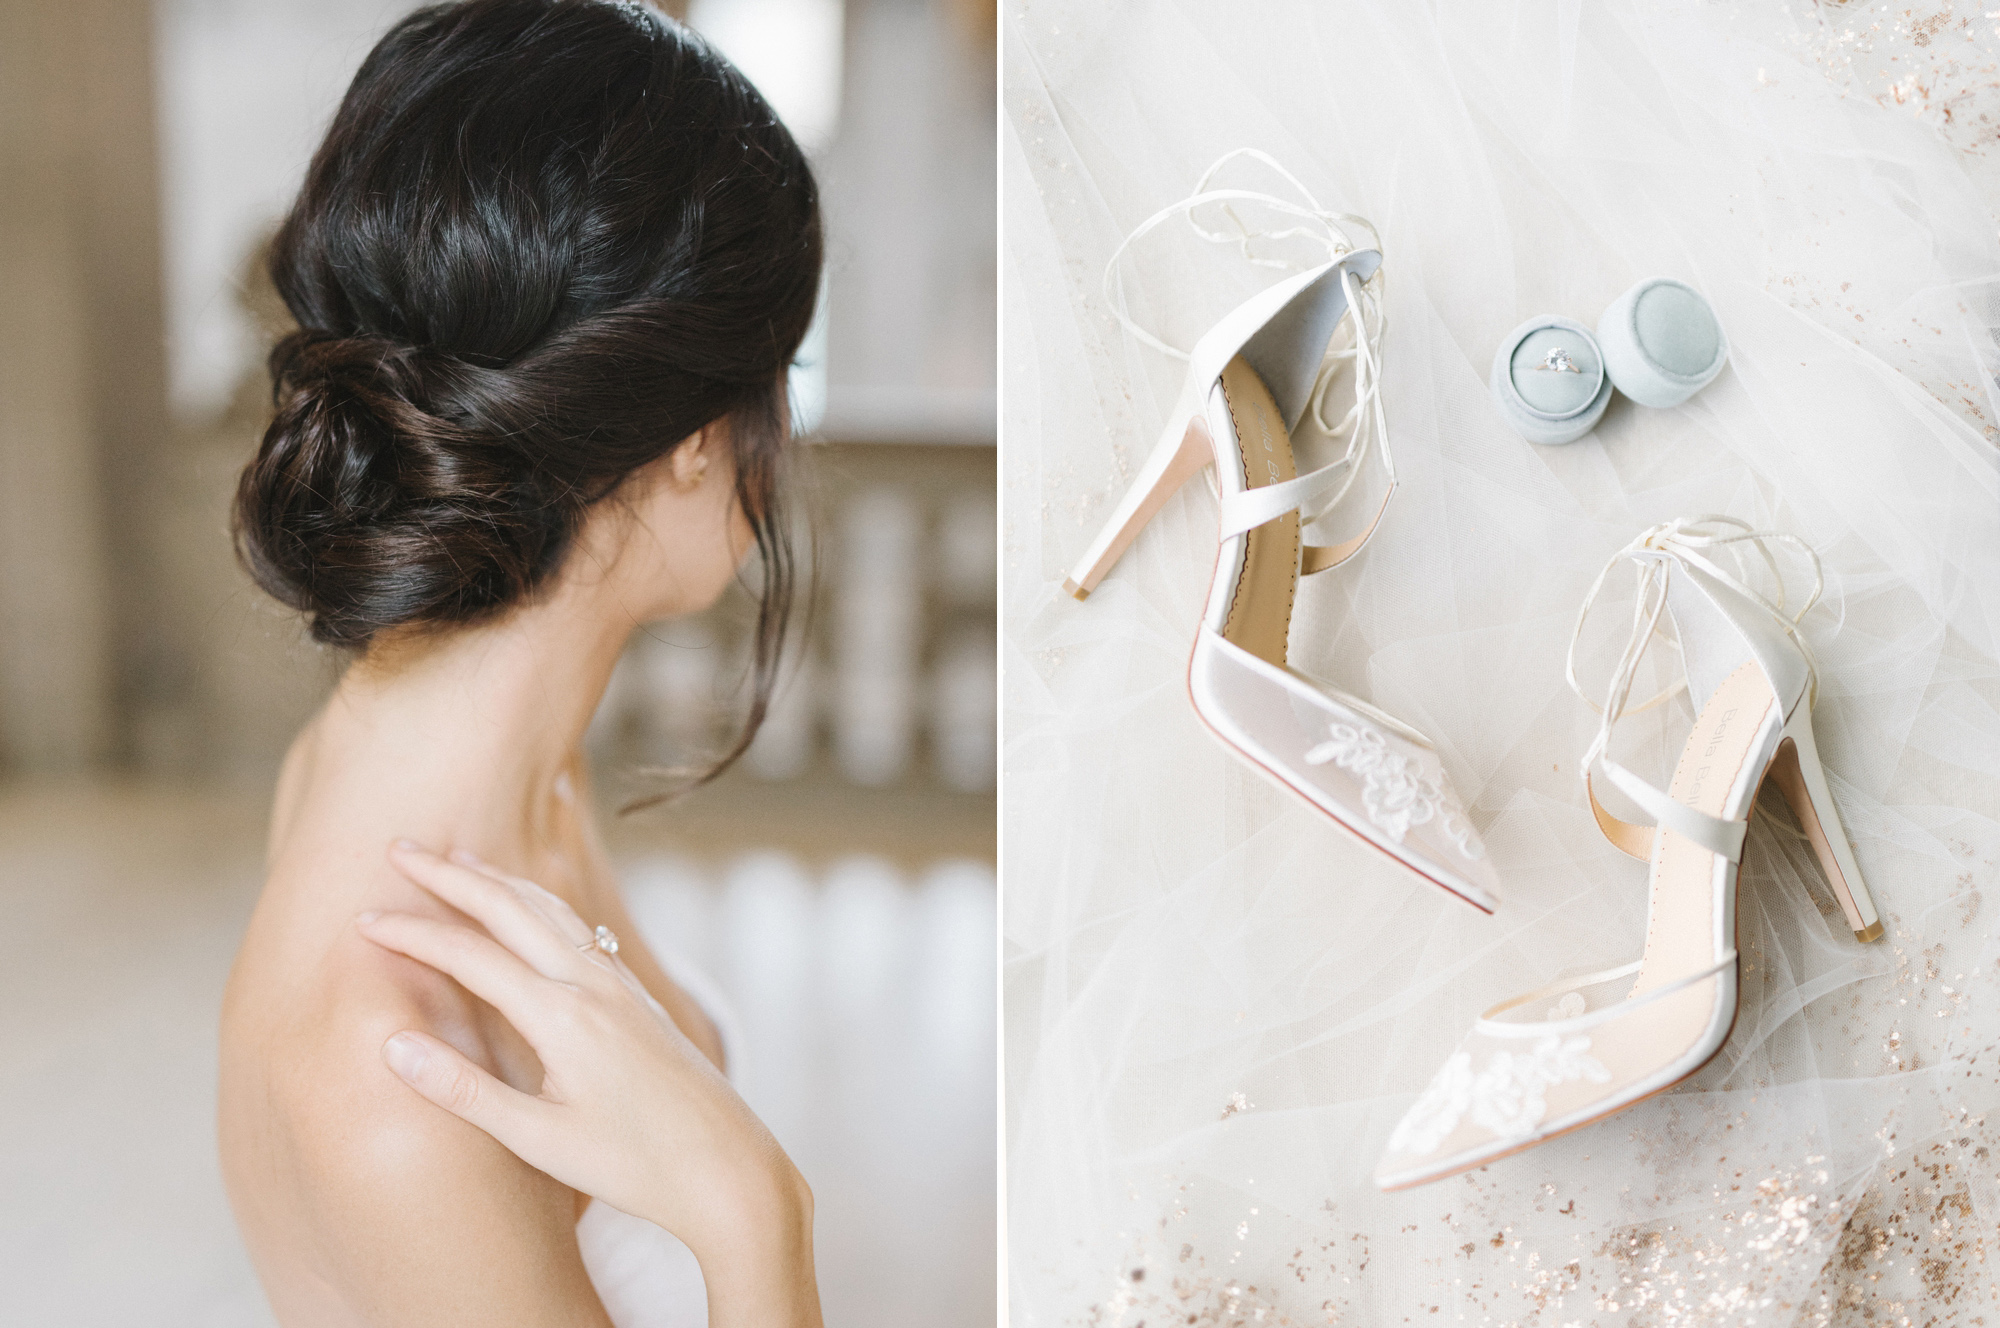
(1183, 451)
(1252, 380)
(1582, 1048)
(1801, 778)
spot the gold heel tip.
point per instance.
(1874, 931)
(1073, 588)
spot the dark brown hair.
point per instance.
(543, 242)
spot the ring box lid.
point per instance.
(1661, 342)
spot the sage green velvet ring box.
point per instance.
(1550, 381)
(1662, 342)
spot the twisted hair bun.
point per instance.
(378, 499)
(543, 242)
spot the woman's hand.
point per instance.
(630, 1111)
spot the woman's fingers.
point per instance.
(498, 906)
(442, 1073)
(566, 919)
(477, 963)
(551, 905)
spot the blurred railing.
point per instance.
(891, 680)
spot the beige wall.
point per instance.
(82, 405)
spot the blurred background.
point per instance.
(838, 884)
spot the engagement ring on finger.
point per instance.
(1558, 360)
(605, 940)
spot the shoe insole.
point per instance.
(1680, 934)
(1260, 614)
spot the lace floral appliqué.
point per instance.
(1508, 1097)
(1435, 1114)
(1395, 792)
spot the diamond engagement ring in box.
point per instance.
(1558, 359)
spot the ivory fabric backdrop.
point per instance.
(1217, 1004)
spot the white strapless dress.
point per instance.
(644, 1275)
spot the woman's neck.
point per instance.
(473, 730)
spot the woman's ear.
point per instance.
(688, 463)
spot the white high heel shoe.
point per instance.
(1579, 1049)
(1250, 381)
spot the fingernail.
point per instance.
(409, 846)
(466, 857)
(365, 918)
(405, 1056)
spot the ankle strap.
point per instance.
(1685, 542)
(1326, 228)
(1250, 508)
(1366, 420)
(1246, 510)
(1724, 838)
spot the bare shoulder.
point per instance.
(351, 1188)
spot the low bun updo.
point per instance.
(543, 242)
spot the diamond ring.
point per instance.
(605, 940)
(1558, 360)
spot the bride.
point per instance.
(549, 269)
